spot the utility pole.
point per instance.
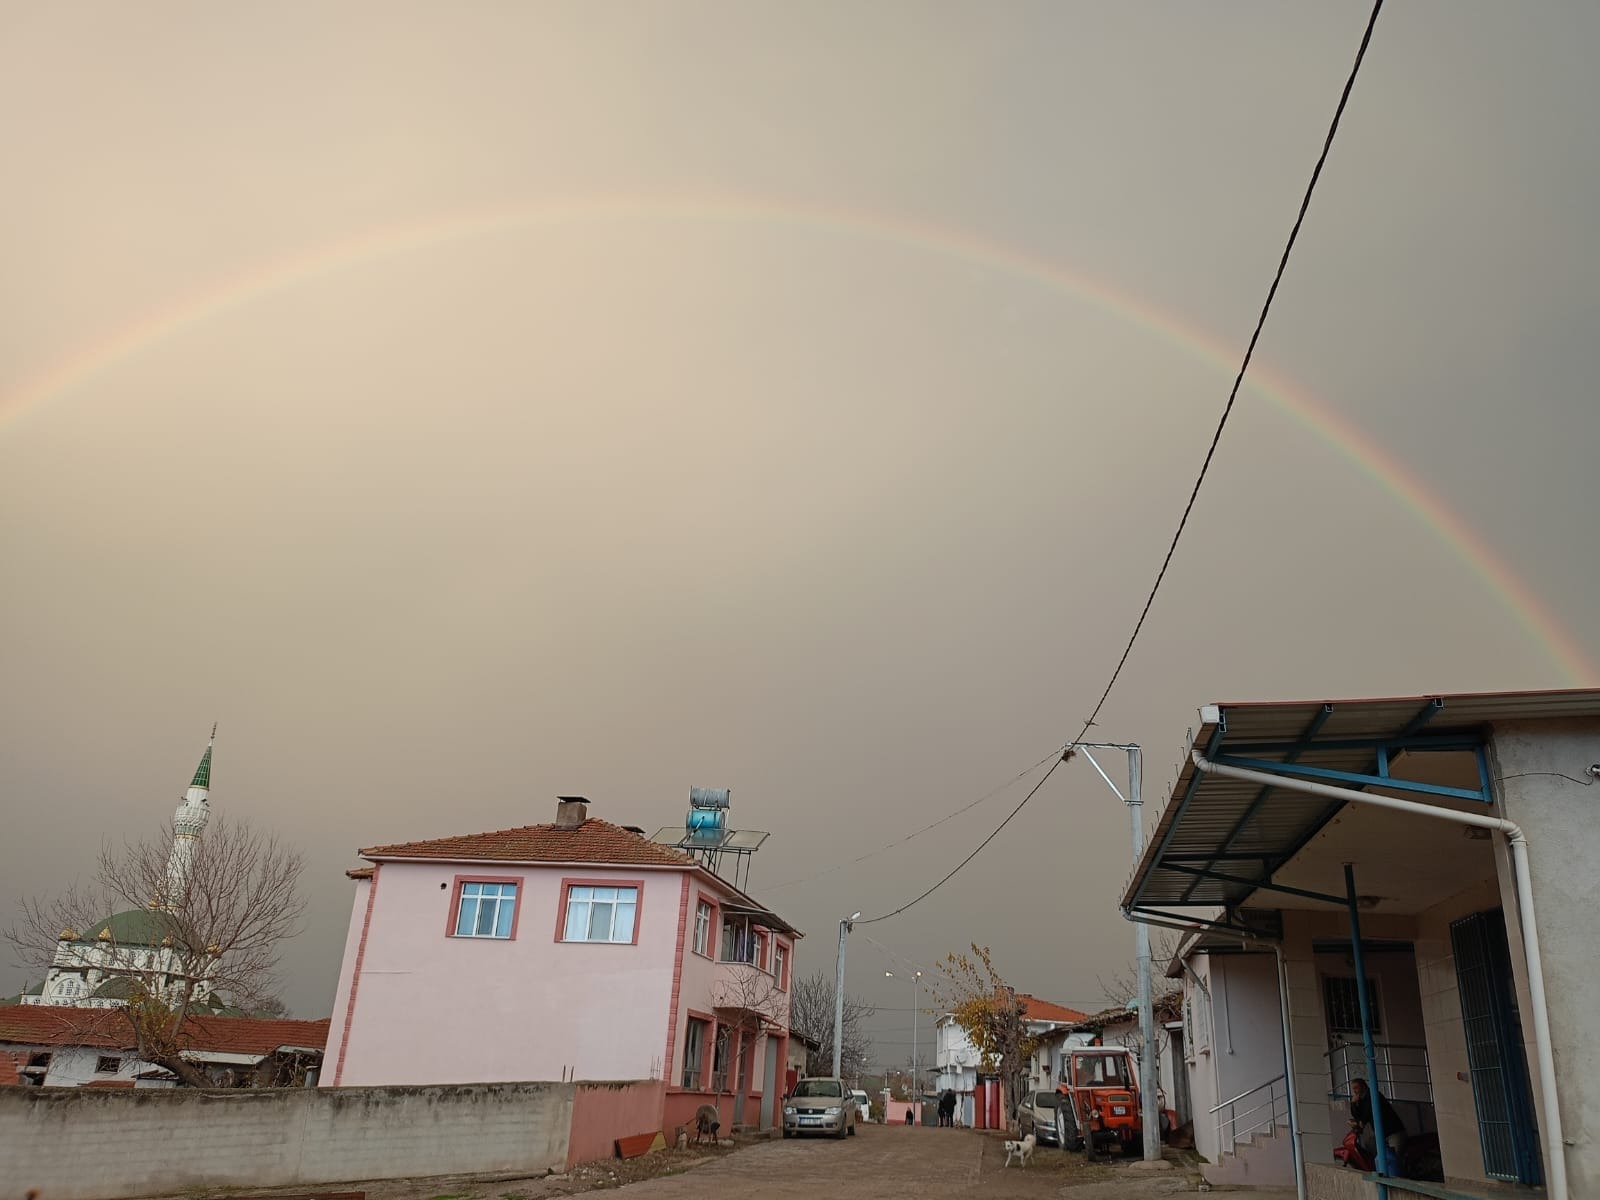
(1147, 1017)
(838, 999)
(1150, 1108)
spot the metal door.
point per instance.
(1507, 1126)
(771, 1083)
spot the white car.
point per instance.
(863, 1105)
(819, 1106)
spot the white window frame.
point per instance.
(584, 897)
(505, 909)
(705, 916)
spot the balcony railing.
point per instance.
(1404, 1076)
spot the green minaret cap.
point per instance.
(202, 773)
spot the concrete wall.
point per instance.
(1248, 1042)
(604, 1112)
(426, 1007)
(1562, 821)
(87, 1144)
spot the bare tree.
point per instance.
(749, 1000)
(1123, 984)
(988, 1010)
(163, 942)
(811, 1014)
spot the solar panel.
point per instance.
(746, 839)
(668, 835)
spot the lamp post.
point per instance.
(1150, 1117)
(916, 996)
(838, 999)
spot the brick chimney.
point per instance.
(571, 811)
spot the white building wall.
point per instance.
(1530, 761)
(74, 1066)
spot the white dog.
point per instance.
(1021, 1151)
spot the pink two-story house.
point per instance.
(574, 950)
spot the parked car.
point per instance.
(863, 1105)
(1037, 1115)
(820, 1106)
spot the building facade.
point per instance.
(1399, 891)
(574, 950)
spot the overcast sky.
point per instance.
(469, 404)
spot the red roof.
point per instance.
(359, 873)
(594, 841)
(107, 1028)
(1035, 1009)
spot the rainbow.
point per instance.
(1365, 454)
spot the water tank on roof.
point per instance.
(707, 822)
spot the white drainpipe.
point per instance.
(1555, 1145)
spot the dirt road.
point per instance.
(880, 1161)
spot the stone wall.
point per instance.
(89, 1144)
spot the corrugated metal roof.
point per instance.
(1223, 815)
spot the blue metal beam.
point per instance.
(1266, 885)
(1355, 777)
(1380, 1146)
(1427, 713)
(1254, 806)
(1203, 922)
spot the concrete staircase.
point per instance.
(1265, 1159)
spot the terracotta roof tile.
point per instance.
(594, 841)
(1035, 1009)
(1168, 1007)
(107, 1029)
(360, 872)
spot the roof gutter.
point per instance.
(1555, 1144)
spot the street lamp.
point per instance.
(838, 999)
(916, 995)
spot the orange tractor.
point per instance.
(1098, 1105)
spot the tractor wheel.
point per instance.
(1067, 1127)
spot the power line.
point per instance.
(887, 846)
(1031, 792)
(1205, 466)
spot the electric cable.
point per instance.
(1205, 467)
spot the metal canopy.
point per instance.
(1220, 840)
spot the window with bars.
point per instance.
(1343, 1004)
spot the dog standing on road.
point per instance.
(1021, 1151)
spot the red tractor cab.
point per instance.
(1099, 1105)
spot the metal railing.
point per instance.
(1403, 1070)
(1405, 1078)
(1262, 1108)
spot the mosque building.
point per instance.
(101, 966)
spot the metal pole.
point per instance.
(1380, 1149)
(1288, 1075)
(1151, 1118)
(916, 1079)
(838, 1003)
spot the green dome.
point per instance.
(118, 988)
(136, 927)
